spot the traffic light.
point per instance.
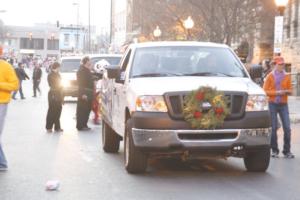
(57, 24)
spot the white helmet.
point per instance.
(100, 66)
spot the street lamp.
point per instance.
(278, 30)
(188, 25)
(157, 32)
(281, 5)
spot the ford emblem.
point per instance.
(206, 106)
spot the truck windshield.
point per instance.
(186, 61)
(70, 65)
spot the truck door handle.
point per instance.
(115, 91)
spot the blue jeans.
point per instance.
(20, 90)
(3, 110)
(283, 111)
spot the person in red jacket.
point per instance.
(278, 87)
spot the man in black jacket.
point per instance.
(22, 76)
(85, 94)
(36, 78)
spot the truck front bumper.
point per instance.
(161, 140)
(157, 132)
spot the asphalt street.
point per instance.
(85, 172)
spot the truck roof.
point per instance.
(180, 43)
(104, 55)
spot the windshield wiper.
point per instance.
(156, 75)
(209, 74)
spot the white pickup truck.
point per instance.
(142, 103)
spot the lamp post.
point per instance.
(77, 28)
(7, 35)
(89, 44)
(188, 25)
(157, 33)
(278, 30)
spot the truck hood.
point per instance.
(161, 85)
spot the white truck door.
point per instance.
(120, 98)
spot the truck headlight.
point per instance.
(65, 83)
(257, 103)
(151, 104)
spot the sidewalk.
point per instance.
(294, 108)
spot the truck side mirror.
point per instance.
(113, 72)
(256, 71)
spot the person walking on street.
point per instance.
(8, 83)
(22, 76)
(36, 78)
(85, 94)
(278, 87)
(55, 99)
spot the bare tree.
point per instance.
(221, 21)
(169, 15)
(226, 20)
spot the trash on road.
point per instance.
(52, 185)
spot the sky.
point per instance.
(29, 12)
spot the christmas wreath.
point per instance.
(205, 108)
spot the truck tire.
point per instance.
(135, 160)
(110, 139)
(258, 161)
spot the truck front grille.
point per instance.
(237, 104)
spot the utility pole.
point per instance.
(2, 28)
(89, 34)
(77, 28)
(111, 21)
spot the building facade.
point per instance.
(263, 38)
(40, 40)
(129, 20)
(291, 35)
(72, 39)
(119, 23)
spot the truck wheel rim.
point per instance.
(126, 150)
